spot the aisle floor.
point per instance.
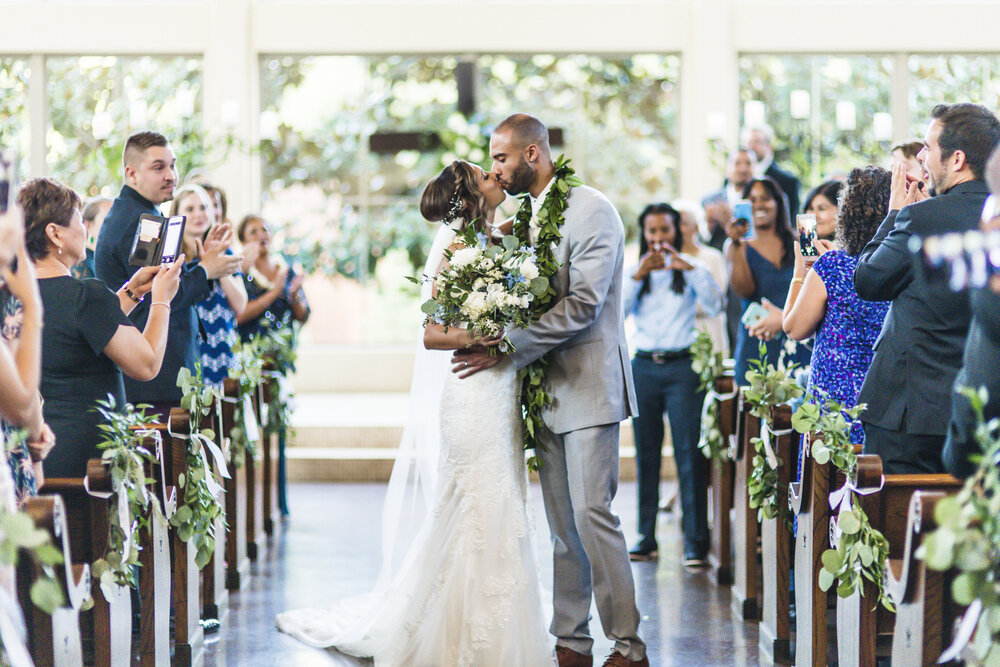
(329, 548)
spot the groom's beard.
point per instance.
(521, 180)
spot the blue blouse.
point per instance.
(218, 333)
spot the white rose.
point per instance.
(529, 270)
(525, 300)
(463, 257)
(474, 305)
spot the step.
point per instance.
(353, 368)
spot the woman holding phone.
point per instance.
(761, 269)
(822, 203)
(822, 300)
(662, 297)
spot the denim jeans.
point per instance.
(671, 387)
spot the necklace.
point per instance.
(534, 396)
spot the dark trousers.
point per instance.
(904, 453)
(670, 387)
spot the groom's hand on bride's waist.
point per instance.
(473, 359)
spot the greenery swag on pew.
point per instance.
(199, 506)
(247, 372)
(769, 387)
(861, 550)
(126, 458)
(967, 538)
(706, 361)
(277, 348)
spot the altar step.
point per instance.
(352, 436)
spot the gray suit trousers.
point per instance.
(579, 476)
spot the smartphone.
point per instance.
(743, 215)
(806, 224)
(172, 239)
(754, 315)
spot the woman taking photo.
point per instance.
(822, 300)
(226, 298)
(87, 340)
(822, 202)
(761, 269)
(662, 296)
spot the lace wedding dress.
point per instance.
(467, 591)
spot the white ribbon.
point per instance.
(964, 632)
(765, 439)
(13, 632)
(249, 420)
(214, 487)
(841, 498)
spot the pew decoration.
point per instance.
(861, 551)
(706, 361)
(769, 387)
(199, 506)
(247, 371)
(967, 538)
(125, 430)
(277, 348)
(18, 534)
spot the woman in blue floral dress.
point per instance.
(822, 299)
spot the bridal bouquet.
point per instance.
(485, 287)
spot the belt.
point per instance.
(663, 356)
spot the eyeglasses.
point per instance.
(991, 211)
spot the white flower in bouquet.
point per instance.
(463, 257)
(529, 270)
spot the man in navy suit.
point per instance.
(760, 140)
(908, 388)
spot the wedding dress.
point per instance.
(467, 590)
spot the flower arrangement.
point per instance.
(485, 287)
(706, 361)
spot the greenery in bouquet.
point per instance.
(485, 287)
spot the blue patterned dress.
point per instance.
(22, 470)
(843, 351)
(218, 333)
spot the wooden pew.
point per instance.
(720, 555)
(809, 501)
(214, 591)
(54, 641)
(775, 628)
(237, 500)
(864, 627)
(107, 628)
(745, 528)
(925, 612)
(266, 505)
(155, 575)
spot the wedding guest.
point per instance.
(273, 287)
(717, 217)
(220, 203)
(226, 296)
(822, 202)
(665, 289)
(87, 339)
(93, 217)
(740, 169)
(822, 301)
(692, 219)
(760, 140)
(761, 269)
(906, 152)
(20, 363)
(981, 358)
(917, 356)
(150, 179)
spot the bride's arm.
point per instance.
(436, 338)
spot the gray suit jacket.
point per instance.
(583, 333)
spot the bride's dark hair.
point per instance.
(454, 193)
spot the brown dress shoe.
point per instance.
(569, 658)
(616, 659)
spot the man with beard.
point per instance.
(919, 352)
(589, 377)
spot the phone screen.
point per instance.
(172, 242)
(743, 214)
(806, 223)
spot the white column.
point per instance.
(230, 103)
(709, 87)
(38, 117)
(899, 100)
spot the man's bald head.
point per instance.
(526, 130)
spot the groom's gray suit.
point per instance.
(590, 380)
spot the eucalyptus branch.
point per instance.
(247, 372)
(706, 362)
(17, 532)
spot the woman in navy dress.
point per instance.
(822, 300)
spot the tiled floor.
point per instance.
(329, 549)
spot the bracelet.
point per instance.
(798, 280)
(131, 294)
(161, 303)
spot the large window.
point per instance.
(14, 116)
(349, 142)
(829, 113)
(96, 102)
(952, 78)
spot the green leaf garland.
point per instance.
(534, 395)
(706, 362)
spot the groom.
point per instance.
(590, 381)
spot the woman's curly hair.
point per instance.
(864, 202)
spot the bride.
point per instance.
(466, 591)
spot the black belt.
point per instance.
(663, 356)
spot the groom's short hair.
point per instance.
(525, 130)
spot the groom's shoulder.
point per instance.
(584, 199)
